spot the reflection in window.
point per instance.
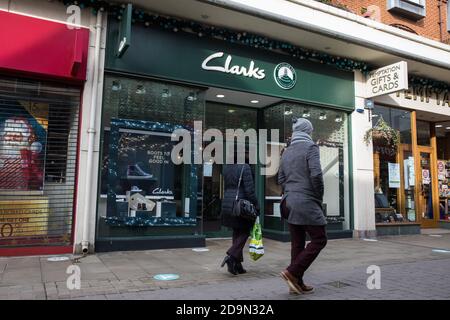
(330, 133)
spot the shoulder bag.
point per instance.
(243, 208)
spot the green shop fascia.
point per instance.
(161, 83)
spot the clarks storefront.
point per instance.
(167, 80)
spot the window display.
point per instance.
(141, 189)
(394, 166)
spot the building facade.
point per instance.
(104, 178)
(422, 17)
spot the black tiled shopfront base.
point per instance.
(397, 229)
(151, 243)
(284, 236)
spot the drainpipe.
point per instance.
(91, 134)
(441, 37)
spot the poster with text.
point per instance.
(394, 175)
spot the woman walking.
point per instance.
(241, 227)
(300, 176)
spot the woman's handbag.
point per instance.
(243, 208)
(256, 247)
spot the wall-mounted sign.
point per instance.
(250, 71)
(125, 31)
(285, 76)
(387, 79)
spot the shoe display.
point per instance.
(136, 172)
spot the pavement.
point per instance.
(410, 268)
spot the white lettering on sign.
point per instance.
(386, 80)
(249, 71)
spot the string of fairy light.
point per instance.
(149, 19)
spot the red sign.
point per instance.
(42, 47)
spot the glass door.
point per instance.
(221, 116)
(426, 210)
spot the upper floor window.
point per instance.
(413, 9)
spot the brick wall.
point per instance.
(427, 27)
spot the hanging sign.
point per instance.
(387, 79)
(125, 31)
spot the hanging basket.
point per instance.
(382, 134)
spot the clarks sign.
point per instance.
(250, 71)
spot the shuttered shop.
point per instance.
(38, 155)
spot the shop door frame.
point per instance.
(427, 223)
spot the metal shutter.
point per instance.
(38, 153)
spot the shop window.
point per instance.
(413, 9)
(443, 170)
(142, 191)
(394, 170)
(423, 133)
(330, 133)
(38, 147)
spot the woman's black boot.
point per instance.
(239, 268)
(231, 264)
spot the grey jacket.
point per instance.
(300, 176)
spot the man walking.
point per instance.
(300, 176)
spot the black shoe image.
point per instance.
(231, 265)
(239, 268)
(136, 172)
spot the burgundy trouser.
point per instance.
(301, 257)
(240, 237)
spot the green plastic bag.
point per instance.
(256, 247)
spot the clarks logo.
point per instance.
(249, 71)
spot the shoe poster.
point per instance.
(23, 135)
(145, 163)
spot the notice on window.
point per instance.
(426, 176)
(394, 175)
(412, 173)
(441, 170)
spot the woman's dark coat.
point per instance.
(231, 175)
(300, 175)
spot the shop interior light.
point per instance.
(322, 116)
(116, 86)
(231, 110)
(140, 89)
(254, 101)
(374, 116)
(439, 126)
(192, 96)
(306, 114)
(448, 128)
(220, 96)
(338, 119)
(288, 112)
(166, 93)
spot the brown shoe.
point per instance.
(292, 282)
(304, 287)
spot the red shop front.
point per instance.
(42, 74)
